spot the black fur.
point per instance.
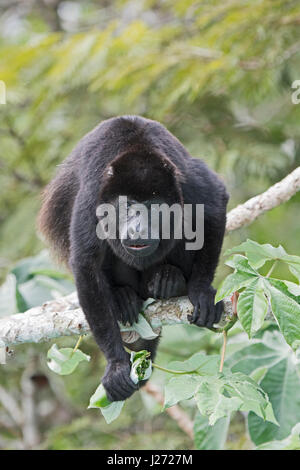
(138, 158)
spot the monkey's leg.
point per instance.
(129, 304)
(164, 282)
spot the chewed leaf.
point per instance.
(218, 396)
(141, 369)
(65, 360)
(211, 401)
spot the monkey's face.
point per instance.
(141, 185)
(141, 233)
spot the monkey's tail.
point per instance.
(55, 214)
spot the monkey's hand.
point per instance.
(165, 282)
(206, 312)
(117, 381)
(129, 305)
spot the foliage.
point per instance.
(292, 442)
(219, 76)
(224, 93)
(140, 370)
(260, 291)
(261, 379)
(31, 282)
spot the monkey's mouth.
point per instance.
(140, 248)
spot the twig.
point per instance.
(223, 350)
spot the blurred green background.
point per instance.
(218, 74)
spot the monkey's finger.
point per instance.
(204, 310)
(164, 282)
(195, 313)
(211, 318)
(157, 282)
(133, 307)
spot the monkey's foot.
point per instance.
(206, 312)
(166, 282)
(129, 305)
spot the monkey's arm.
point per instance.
(97, 300)
(204, 187)
(200, 290)
(94, 297)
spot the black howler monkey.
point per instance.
(138, 158)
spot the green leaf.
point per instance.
(292, 442)
(99, 398)
(140, 370)
(212, 403)
(218, 396)
(41, 288)
(293, 288)
(234, 282)
(287, 288)
(210, 437)
(64, 361)
(142, 327)
(253, 357)
(295, 269)
(25, 268)
(281, 382)
(252, 307)
(109, 410)
(180, 388)
(199, 362)
(286, 311)
(258, 254)
(240, 263)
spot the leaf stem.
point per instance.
(169, 371)
(77, 345)
(272, 267)
(223, 350)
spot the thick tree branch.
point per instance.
(63, 317)
(281, 192)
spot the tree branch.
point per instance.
(63, 317)
(246, 213)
